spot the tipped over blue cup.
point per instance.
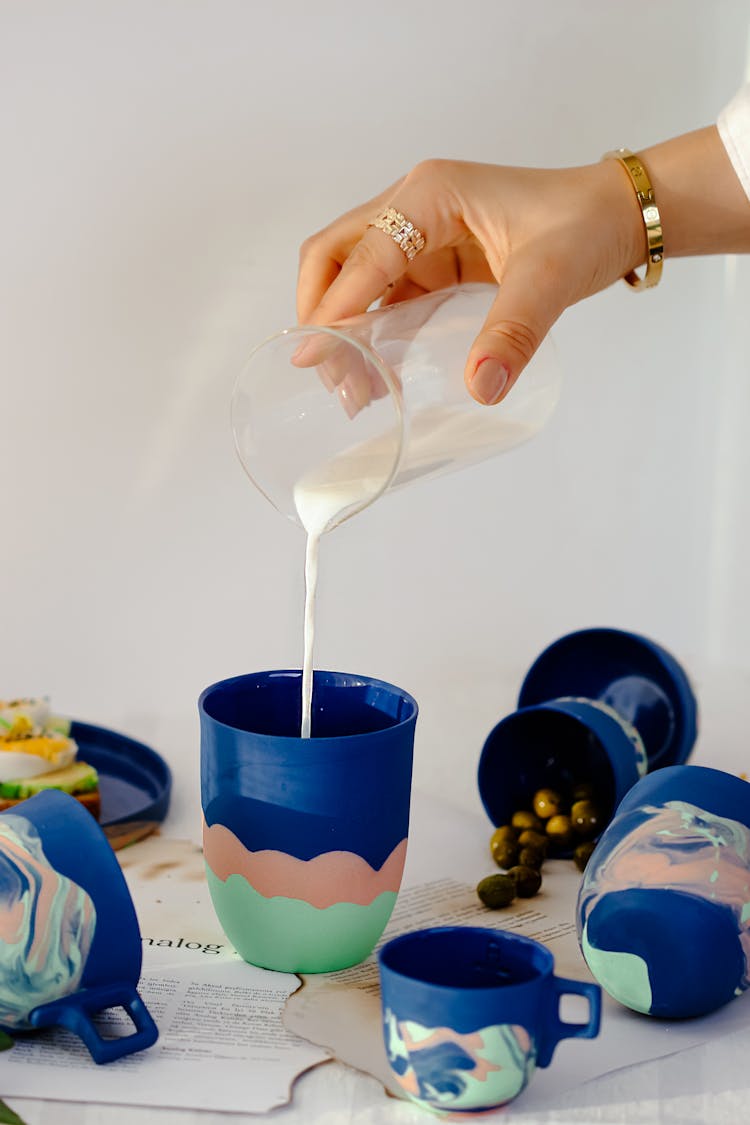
(601, 707)
(664, 907)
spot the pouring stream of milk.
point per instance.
(347, 483)
(321, 502)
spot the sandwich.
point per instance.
(37, 753)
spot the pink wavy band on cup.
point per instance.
(321, 881)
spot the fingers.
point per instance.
(318, 269)
(455, 265)
(343, 368)
(335, 283)
(403, 290)
(349, 266)
(375, 262)
(361, 386)
(317, 348)
(322, 255)
(472, 264)
(529, 301)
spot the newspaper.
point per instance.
(222, 1044)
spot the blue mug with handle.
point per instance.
(469, 1013)
(70, 944)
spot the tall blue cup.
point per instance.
(469, 1013)
(305, 839)
(664, 906)
(70, 945)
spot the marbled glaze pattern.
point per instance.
(675, 846)
(639, 748)
(47, 925)
(448, 1071)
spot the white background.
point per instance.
(161, 162)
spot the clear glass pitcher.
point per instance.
(325, 420)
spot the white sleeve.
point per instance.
(734, 129)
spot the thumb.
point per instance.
(527, 305)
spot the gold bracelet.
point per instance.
(651, 219)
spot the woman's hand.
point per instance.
(547, 237)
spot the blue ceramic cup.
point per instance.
(557, 745)
(469, 1013)
(599, 706)
(638, 679)
(70, 945)
(664, 907)
(305, 839)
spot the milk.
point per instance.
(343, 486)
(311, 583)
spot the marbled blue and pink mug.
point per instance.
(469, 1013)
(664, 906)
(305, 839)
(70, 944)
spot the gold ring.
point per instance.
(404, 233)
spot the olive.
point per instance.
(496, 891)
(586, 819)
(547, 803)
(530, 856)
(525, 819)
(527, 880)
(583, 791)
(560, 831)
(582, 854)
(504, 832)
(505, 853)
(531, 839)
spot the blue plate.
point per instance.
(134, 782)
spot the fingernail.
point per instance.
(488, 381)
(347, 400)
(298, 355)
(326, 379)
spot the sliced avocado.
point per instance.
(79, 777)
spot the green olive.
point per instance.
(560, 831)
(531, 839)
(547, 803)
(582, 854)
(527, 880)
(504, 832)
(586, 819)
(505, 853)
(497, 891)
(584, 791)
(526, 819)
(530, 857)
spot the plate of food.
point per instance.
(123, 783)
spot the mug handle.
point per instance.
(557, 1029)
(75, 1012)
